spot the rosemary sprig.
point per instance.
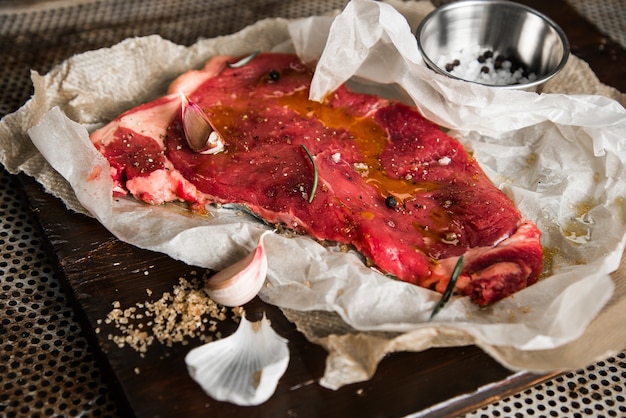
(243, 61)
(449, 289)
(314, 188)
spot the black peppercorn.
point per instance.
(497, 64)
(391, 202)
(274, 75)
(450, 66)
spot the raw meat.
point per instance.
(407, 196)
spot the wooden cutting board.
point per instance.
(98, 270)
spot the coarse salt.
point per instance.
(482, 65)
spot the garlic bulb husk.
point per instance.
(200, 134)
(243, 368)
(241, 282)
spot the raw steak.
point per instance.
(395, 186)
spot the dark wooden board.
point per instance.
(99, 269)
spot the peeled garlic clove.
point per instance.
(242, 281)
(243, 368)
(200, 134)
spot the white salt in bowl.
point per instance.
(494, 42)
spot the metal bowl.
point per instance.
(512, 29)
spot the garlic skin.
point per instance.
(200, 134)
(245, 367)
(241, 282)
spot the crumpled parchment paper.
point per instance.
(560, 157)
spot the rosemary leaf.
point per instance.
(449, 289)
(314, 188)
(243, 61)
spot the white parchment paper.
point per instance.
(560, 157)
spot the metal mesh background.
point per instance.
(46, 366)
(609, 16)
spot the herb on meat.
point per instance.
(243, 61)
(314, 188)
(449, 289)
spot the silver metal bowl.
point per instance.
(512, 29)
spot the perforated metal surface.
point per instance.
(599, 390)
(46, 366)
(29, 29)
(609, 16)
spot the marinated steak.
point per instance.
(355, 169)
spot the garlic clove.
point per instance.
(243, 368)
(200, 134)
(242, 281)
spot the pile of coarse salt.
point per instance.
(482, 65)
(176, 317)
